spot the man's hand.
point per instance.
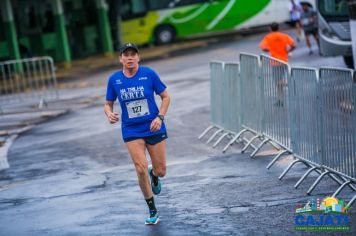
(290, 48)
(156, 124)
(113, 117)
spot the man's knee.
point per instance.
(160, 171)
(141, 169)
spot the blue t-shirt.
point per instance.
(136, 98)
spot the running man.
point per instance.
(309, 24)
(278, 45)
(143, 125)
(295, 11)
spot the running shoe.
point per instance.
(152, 219)
(156, 189)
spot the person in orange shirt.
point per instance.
(278, 44)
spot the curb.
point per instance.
(4, 164)
(90, 65)
(12, 134)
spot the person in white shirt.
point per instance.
(295, 11)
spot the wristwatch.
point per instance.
(161, 117)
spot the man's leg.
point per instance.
(158, 157)
(137, 150)
(316, 37)
(299, 30)
(307, 40)
(278, 76)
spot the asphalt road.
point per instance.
(73, 176)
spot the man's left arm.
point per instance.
(291, 44)
(157, 122)
(165, 102)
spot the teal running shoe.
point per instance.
(156, 189)
(152, 219)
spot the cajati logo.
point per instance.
(327, 214)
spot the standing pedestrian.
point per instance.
(143, 125)
(295, 11)
(309, 24)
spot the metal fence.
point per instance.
(338, 120)
(305, 115)
(231, 93)
(309, 113)
(250, 88)
(275, 77)
(27, 80)
(224, 105)
(216, 74)
(251, 95)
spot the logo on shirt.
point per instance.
(132, 93)
(142, 78)
(118, 81)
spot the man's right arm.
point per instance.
(112, 116)
(264, 45)
(291, 44)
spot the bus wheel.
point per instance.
(164, 34)
(349, 61)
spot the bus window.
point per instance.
(132, 9)
(334, 8)
(155, 5)
(186, 2)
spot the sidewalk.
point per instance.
(98, 63)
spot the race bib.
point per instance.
(137, 108)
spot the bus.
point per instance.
(334, 29)
(163, 21)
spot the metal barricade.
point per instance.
(216, 96)
(232, 110)
(338, 125)
(338, 120)
(304, 120)
(251, 90)
(251, 97)
(305, 114)
(224, 101)
(230, 107)
(27, 81)
(310, 113)
(275, 77)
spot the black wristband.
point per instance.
(161, 117)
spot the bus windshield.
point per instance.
(333, 8)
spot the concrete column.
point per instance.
(63, 50)
(352, 10)
(10, 29)
(114, 15)
(119, 24)
(104, 26)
